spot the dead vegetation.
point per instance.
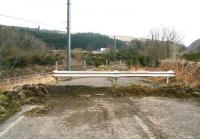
(7, 106)
(187, 72)
(11, 101)
(37, 111)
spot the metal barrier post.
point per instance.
(167, 80)
(115, 83)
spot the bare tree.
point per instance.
(15, 44)
(163, 41)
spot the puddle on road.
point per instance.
(86, 117)
(79, 111)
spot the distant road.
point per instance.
(106, 82)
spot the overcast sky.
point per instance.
(112, 17)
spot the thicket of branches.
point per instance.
(164, 43)
(20, 49)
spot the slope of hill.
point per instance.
(123, 38)
(127, 38)
(21, 47)
(194, 47)
(192, 52)
(58, 40)
(85, 41)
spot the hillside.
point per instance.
(194, 47)
(26, 47)
(85, 41)
(58, 40)
(123, 38)
(127, 38)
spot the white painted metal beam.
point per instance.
(117, 74)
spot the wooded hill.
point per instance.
(21, 47)
(84, 41)
(194, 47)
(192, 52)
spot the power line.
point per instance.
(30, 21)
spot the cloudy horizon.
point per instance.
(132, 18)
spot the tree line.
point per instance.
(163, 43)
(20, 47)
(85, 41)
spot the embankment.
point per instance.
(10, 83)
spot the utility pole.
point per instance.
(115, 47)
(69, 35)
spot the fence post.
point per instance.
(120, 63)
(56, 65)
(106, 62)
(130, 64)
(85, 64)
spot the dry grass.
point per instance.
(7, 106)
(37, 111)
(186, 72)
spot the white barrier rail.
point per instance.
(115, 74)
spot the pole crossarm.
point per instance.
(116, 74)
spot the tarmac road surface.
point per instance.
(99, 117)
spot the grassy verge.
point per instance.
(11, 101)
(8, 106)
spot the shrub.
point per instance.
(186, 72)
(96, 60)
(16, 62)
(3, 99)
(192, 57)
(43, 60)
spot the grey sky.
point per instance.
(113, 17)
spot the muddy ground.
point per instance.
(97, 116)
